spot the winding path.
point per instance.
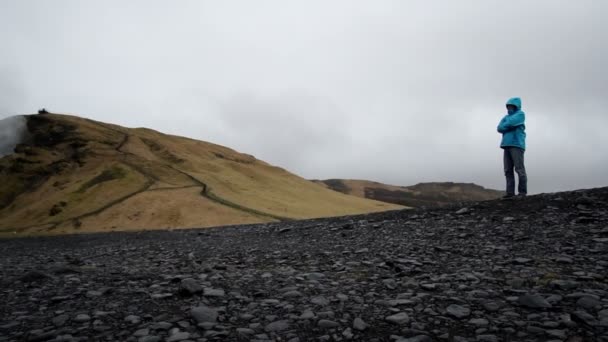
(150, 180)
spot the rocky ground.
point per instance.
(531, 269)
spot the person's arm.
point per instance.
(501, 126)
(514, 120)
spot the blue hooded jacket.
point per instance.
(513, 127)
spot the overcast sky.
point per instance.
(394, 91)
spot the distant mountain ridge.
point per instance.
(419, 195)
(78, 175)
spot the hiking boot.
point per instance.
(508, 196)
(522, 195)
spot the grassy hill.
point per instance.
(77, 175)
(423, 194)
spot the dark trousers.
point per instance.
(514, 159)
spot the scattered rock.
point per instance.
(534, 301)
(320, 301)
(190, 286)
(326, 324)
(399, 319)
(204, 314)
(479, 322)
(178, 336)
(458, 311)
(537, 276)
(277, 326)
(359, 324)
(214, 292)
(33, 276)
(588, 303)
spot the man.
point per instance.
(513, 130)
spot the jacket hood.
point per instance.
(515, 101)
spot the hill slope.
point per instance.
(75, 174)
(423, 194)
(532, 269)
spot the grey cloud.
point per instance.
(393, 91)
(12, 132)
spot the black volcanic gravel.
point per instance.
(531, 269)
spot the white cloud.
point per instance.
(393, 91)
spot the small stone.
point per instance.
(487, 338)
(588, 303)
(479, 322)
(190, 286)
(348, 334)
(292, 294)
(563, 260)
(491, 306)
(522, 261)
(584, 317)
(33, 276)
(204, 314)
(81, 318)
(429, 287)
(213, 292)
(60, 320)
(554, 299)
(161, 326)
(247, 316)
(149, 339)
(550, 324)
(315, 276)
(399, 319)
(208, 325)
(327, 324)
(142, 332)
(320, 300)
(307, 314)
(564, 284)
(417, 338)
(561, 334)
(161, 295)
(458, 311)
(326, 314)
(359, 324)
(93, 294)
(533, 302)
(99, 314)
(133, 319)
(245, 331)
(390, 284)
(535, 330)
(462, 211)
(179, 336)
(277, 326)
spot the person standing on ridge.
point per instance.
(513, 130)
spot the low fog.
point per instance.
(394, 91)
(12, 132)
